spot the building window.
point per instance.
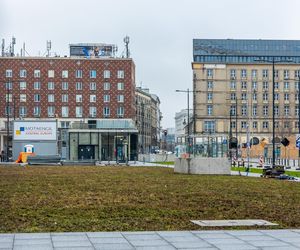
(78, 98)
(244, 96)
(120, 74)
(64, 124)
(8, 73)
(297, 73)
(64, 74)
(50, 73)
(243, 73)
(232, 73)
(22, 85)
(254, 110)
(51, 111)
(23, 98)
(254, 125)
(51, 85)
(209, 109)
(120, 86)
(254, 73)
(265, 96)
(276, 85)
(286, 124)
(209, 72)
(233, 85)
(78, 73)
(265, 73)
(286, 110)
(232, 110)
(254, 85)
(286, 85)
(286, 96)
(64, 86)
(106, 98)
(92, 98)
(64, 111)
(276, 110)
(78, 85)
(276, 124)
(8, 97)
(265, 110)
(23, 73)
(297, 111)
(51, 98)
(106, 74)
(36, 111)
(120, 98)
(276, 96)
(297, 85)
(286, 74)
(37, 85)
(276, 74)
(244, 85)
(8, 85)
(254, 96)
(120, 111)
(64, 98)
(232, 96)
(209, 126)
(93, 112)
(37, 73)
(243, 124)
(265, 85)
(296, 124)
(244, 110)
(36, 98)
(265, 125)
(78, 111)
(106, 86)
(22, 111)
(93, 86)
(93, 73)
(8, 111)
(233, 124)
(209, 96)
(106, 111)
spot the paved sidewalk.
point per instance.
(161, 240)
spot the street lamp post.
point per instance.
(273, 61)
(188, 118)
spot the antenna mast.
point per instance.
(48, 47)
(126, 41)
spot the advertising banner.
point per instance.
(34, 130)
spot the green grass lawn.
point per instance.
(165, 162)
(48, 199)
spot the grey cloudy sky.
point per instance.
(161, 32)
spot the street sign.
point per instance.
(298, 140)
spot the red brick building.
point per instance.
(68, 89)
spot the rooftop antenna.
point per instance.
(126, 41)
(12, 48)
(48, 47)
(3, 47)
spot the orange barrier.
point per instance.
(22, 158)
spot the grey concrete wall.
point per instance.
(202, 165)
(156, 157)
(40, 148)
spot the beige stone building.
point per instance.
(233, 77)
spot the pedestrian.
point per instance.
(247, 170)
(2, 156)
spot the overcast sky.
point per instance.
(160, 31)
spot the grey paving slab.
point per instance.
(140, 243)
(156, 248)
(33, 247)
(225, 241)
(175, 233)
(255, 237)
(24, 242)
(142, 236)
(81, 243)
(108, 240)
(244, 232)
(105, 234)
(197, 245)
(69, 237)
(7, 235)
(182, 239)
(215, 236)
(68, 233)
(269, 243)
(6, 240)
(113, 247)
(74, 248)
(6, 245)
(281, 248)
(237, 247)
(290, 240)
(24, 236)
(139, 232)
